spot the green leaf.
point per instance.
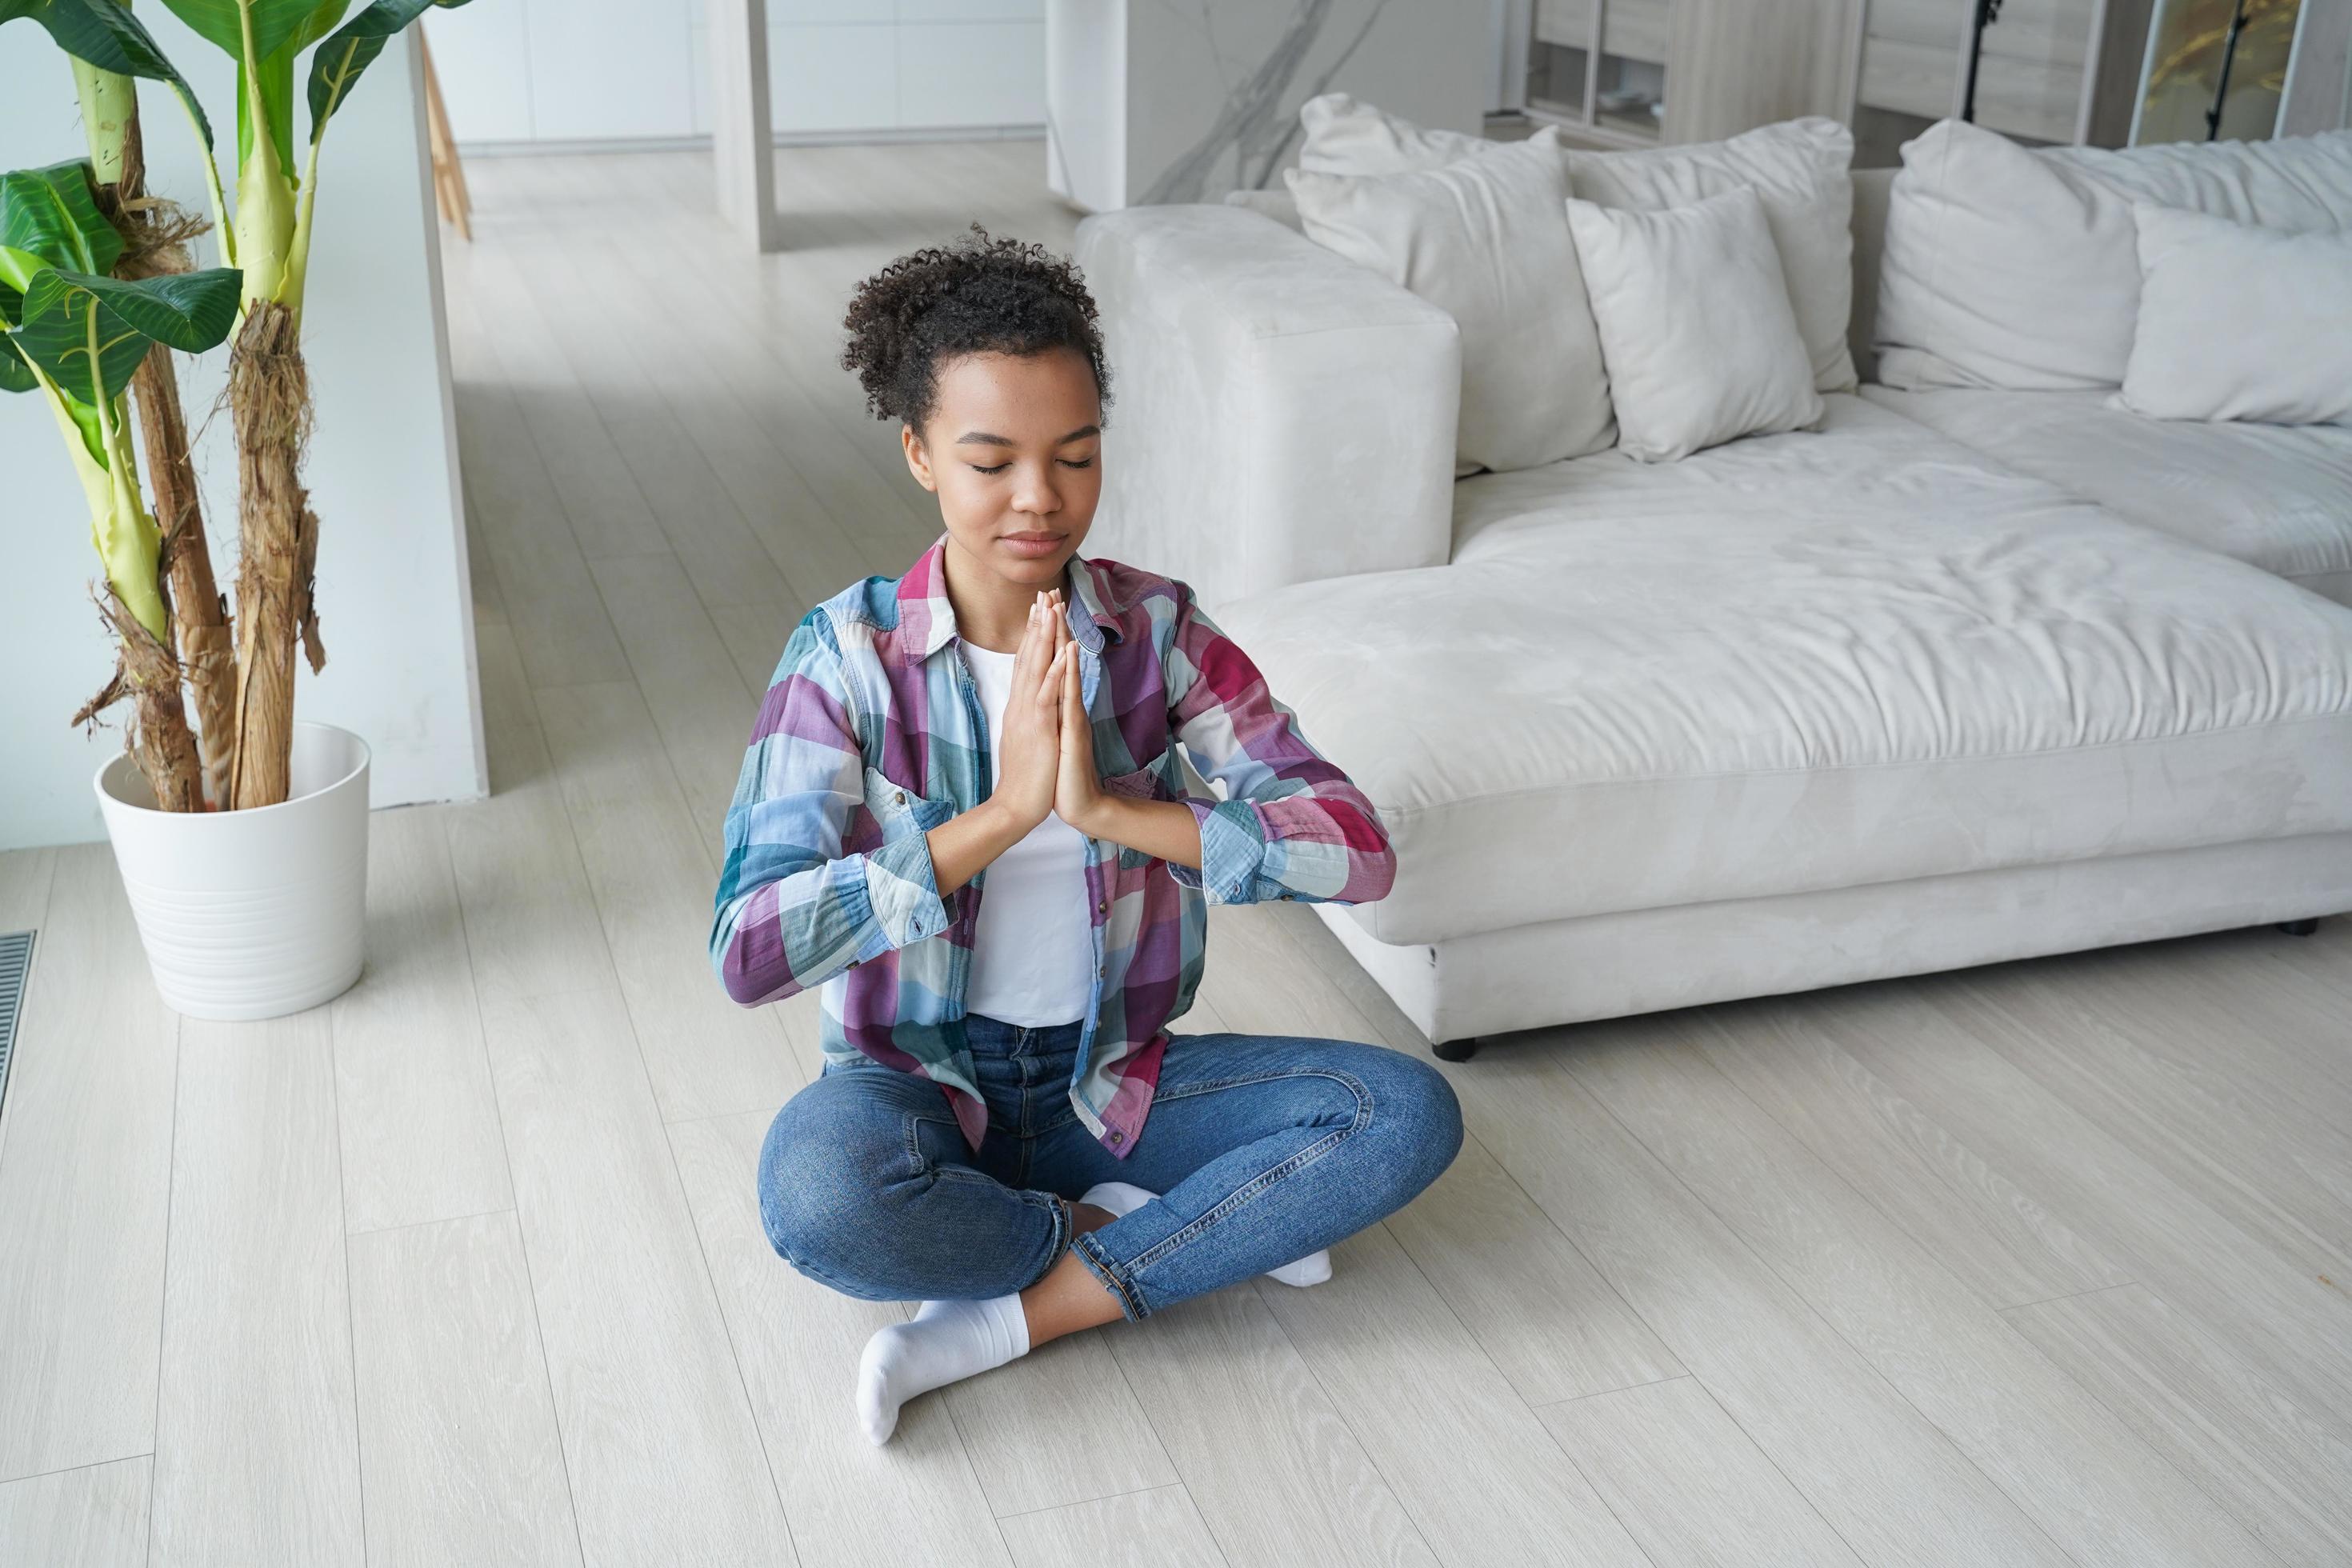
(51, 212)
(191, 311)
(278, 82)
(222, 22)
(316, 26)
(277, 107)
(341, 59)
(16, 375)
(109, 37)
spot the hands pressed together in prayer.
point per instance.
(1049, 762)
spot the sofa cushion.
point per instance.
(1799, 169)
(2276, 497)
(1696, 329)
(1801, 662)
(1342, 134)
(1486, 239)
(2240, 323)
(2019, 268)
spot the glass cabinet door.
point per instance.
(1632, 96)
(1559, 61)
(2030, 73)
(1600, 65)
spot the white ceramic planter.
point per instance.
(250, 914)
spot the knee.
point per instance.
(1416, 1105)
(814, 1193)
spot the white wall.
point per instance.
(637, 70)
(392, 593)
(1152, 101)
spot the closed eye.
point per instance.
(1000, 467)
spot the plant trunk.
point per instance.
(208, 651)
(158, 741)
(156, 234)
(145, 669)
(270, 397)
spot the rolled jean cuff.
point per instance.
(1114, 1276)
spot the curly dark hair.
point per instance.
(979, 295)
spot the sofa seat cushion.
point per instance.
(2278, 496)
(1799, 662)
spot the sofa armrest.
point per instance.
(1279, 413)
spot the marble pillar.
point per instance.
(1182, 101)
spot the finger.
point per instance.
(1048, 638)
(1033, 647)
(1049, 687)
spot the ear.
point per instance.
(918, 460)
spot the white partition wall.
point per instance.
(393, 603)
(1152, 103)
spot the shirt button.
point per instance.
(901, 798)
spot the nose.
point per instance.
(1035, 496)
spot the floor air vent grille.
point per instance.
(16, 966)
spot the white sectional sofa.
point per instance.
(1959, 677)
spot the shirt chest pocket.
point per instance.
(1149, 781)
(897, 811)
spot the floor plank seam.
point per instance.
(163, 1307)
(1258, 1289)
(436, 1219)
(351, 1323)
(1862, 1361)
(522, 1236)
(2069, 1296)
(70, 1470)
(1786, 1478)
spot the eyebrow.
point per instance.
(983, 438)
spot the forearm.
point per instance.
(1165, 828)
(969, 840)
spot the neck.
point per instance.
(993, 611)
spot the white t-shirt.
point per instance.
(1033, 958)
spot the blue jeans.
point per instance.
(1264, 1148)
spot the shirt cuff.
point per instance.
(1232, 848)
(902, 889)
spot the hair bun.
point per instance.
(979, 295)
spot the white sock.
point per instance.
(944, 1342)
(1123, 1198)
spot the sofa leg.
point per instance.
(1460, 1051)
(2300, 928)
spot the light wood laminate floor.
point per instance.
(2041, 1264)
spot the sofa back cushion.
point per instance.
(2240, 323)
(1345, 135)
(1697, 329)
(1485, 238)
(2017, 268)
(1799, 170)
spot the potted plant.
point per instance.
(242, 840)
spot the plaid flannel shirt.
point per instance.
(872, 733)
